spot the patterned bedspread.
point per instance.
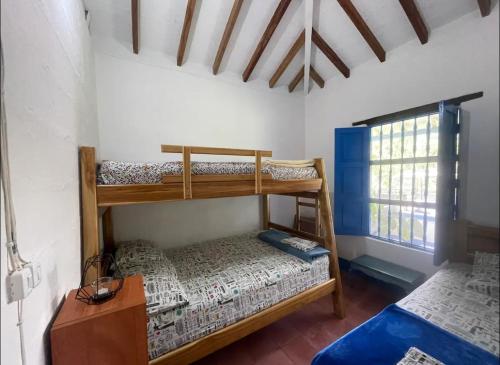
(415, 356)
(117, 173)
(226, 280)
(444, 301)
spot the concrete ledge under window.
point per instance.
(350, 247)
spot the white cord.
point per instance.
(21, 331)
(14, 261)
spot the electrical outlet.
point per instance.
(36, 272)
(19, 284)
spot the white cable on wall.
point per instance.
(21, 330)
(14, 260)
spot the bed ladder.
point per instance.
(326, 236)
(316, 219)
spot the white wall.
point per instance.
(460, 58)
(143, 105)
(51, 109)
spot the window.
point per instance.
(399, 180)
(403, 181)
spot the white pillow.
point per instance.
(162, 288)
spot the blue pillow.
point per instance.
(274, 238)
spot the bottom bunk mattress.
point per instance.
(225, 280)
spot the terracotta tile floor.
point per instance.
(295, 339)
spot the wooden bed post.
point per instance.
(330, 243)
(317, 214)
(90, 217)
(297, 213)
(265, 211)
(186, 161)
(258, 172)
(107, 231)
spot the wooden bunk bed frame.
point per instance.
(97, 201)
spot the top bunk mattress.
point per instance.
(123, 173)
(445, 301)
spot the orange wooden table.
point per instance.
(110, 333)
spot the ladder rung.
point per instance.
(304, 204)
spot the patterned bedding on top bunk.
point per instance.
(447, 301)
(118, 173)
(223, 280)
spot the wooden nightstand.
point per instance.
(110, 333)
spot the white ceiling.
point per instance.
(161, 24)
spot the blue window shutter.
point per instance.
(351, 185)
(448, 128)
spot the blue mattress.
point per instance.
(385, 338)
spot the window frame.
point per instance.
(424, 244)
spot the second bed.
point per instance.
(443, 319)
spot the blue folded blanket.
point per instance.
(275, 238)
(385, 338)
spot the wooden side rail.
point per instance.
(214, 341)
(168, 148)
(173, 190)
(187, 151)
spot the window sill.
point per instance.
(379, 240)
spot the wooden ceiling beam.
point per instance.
(231, 21)
(330, 53)
(308, 25)
(297, 45)
(484, 7)
(293, 84)
(134, 4)
(363, 28)
(266, 36)
(191, 5)
(316, 77)
(415, 19)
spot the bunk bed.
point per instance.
(449, 318)
(188, 180)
